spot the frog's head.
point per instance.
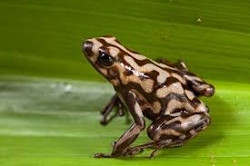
(109, 57)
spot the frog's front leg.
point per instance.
(120, 147)
(114, 104)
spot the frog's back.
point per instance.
(158, 86)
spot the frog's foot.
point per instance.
(134, 150)
(139, 148)
(115, 154)
(101, 155)
(165, 143)
(155, 145)
(114, 102)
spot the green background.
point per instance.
(50, 96)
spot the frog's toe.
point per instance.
(101, 155)
(104, 121)
(153, 153)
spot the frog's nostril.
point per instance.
(87, 48)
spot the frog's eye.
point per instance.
(105, 59)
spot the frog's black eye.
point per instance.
(105, 59)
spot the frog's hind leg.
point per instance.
(169, 131)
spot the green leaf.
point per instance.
(47, 117)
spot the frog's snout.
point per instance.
(87, 48)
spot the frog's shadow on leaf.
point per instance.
(220, 113)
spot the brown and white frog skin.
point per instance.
(165, 93)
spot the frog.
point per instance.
(165, 93)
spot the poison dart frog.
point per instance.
(166, 93)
